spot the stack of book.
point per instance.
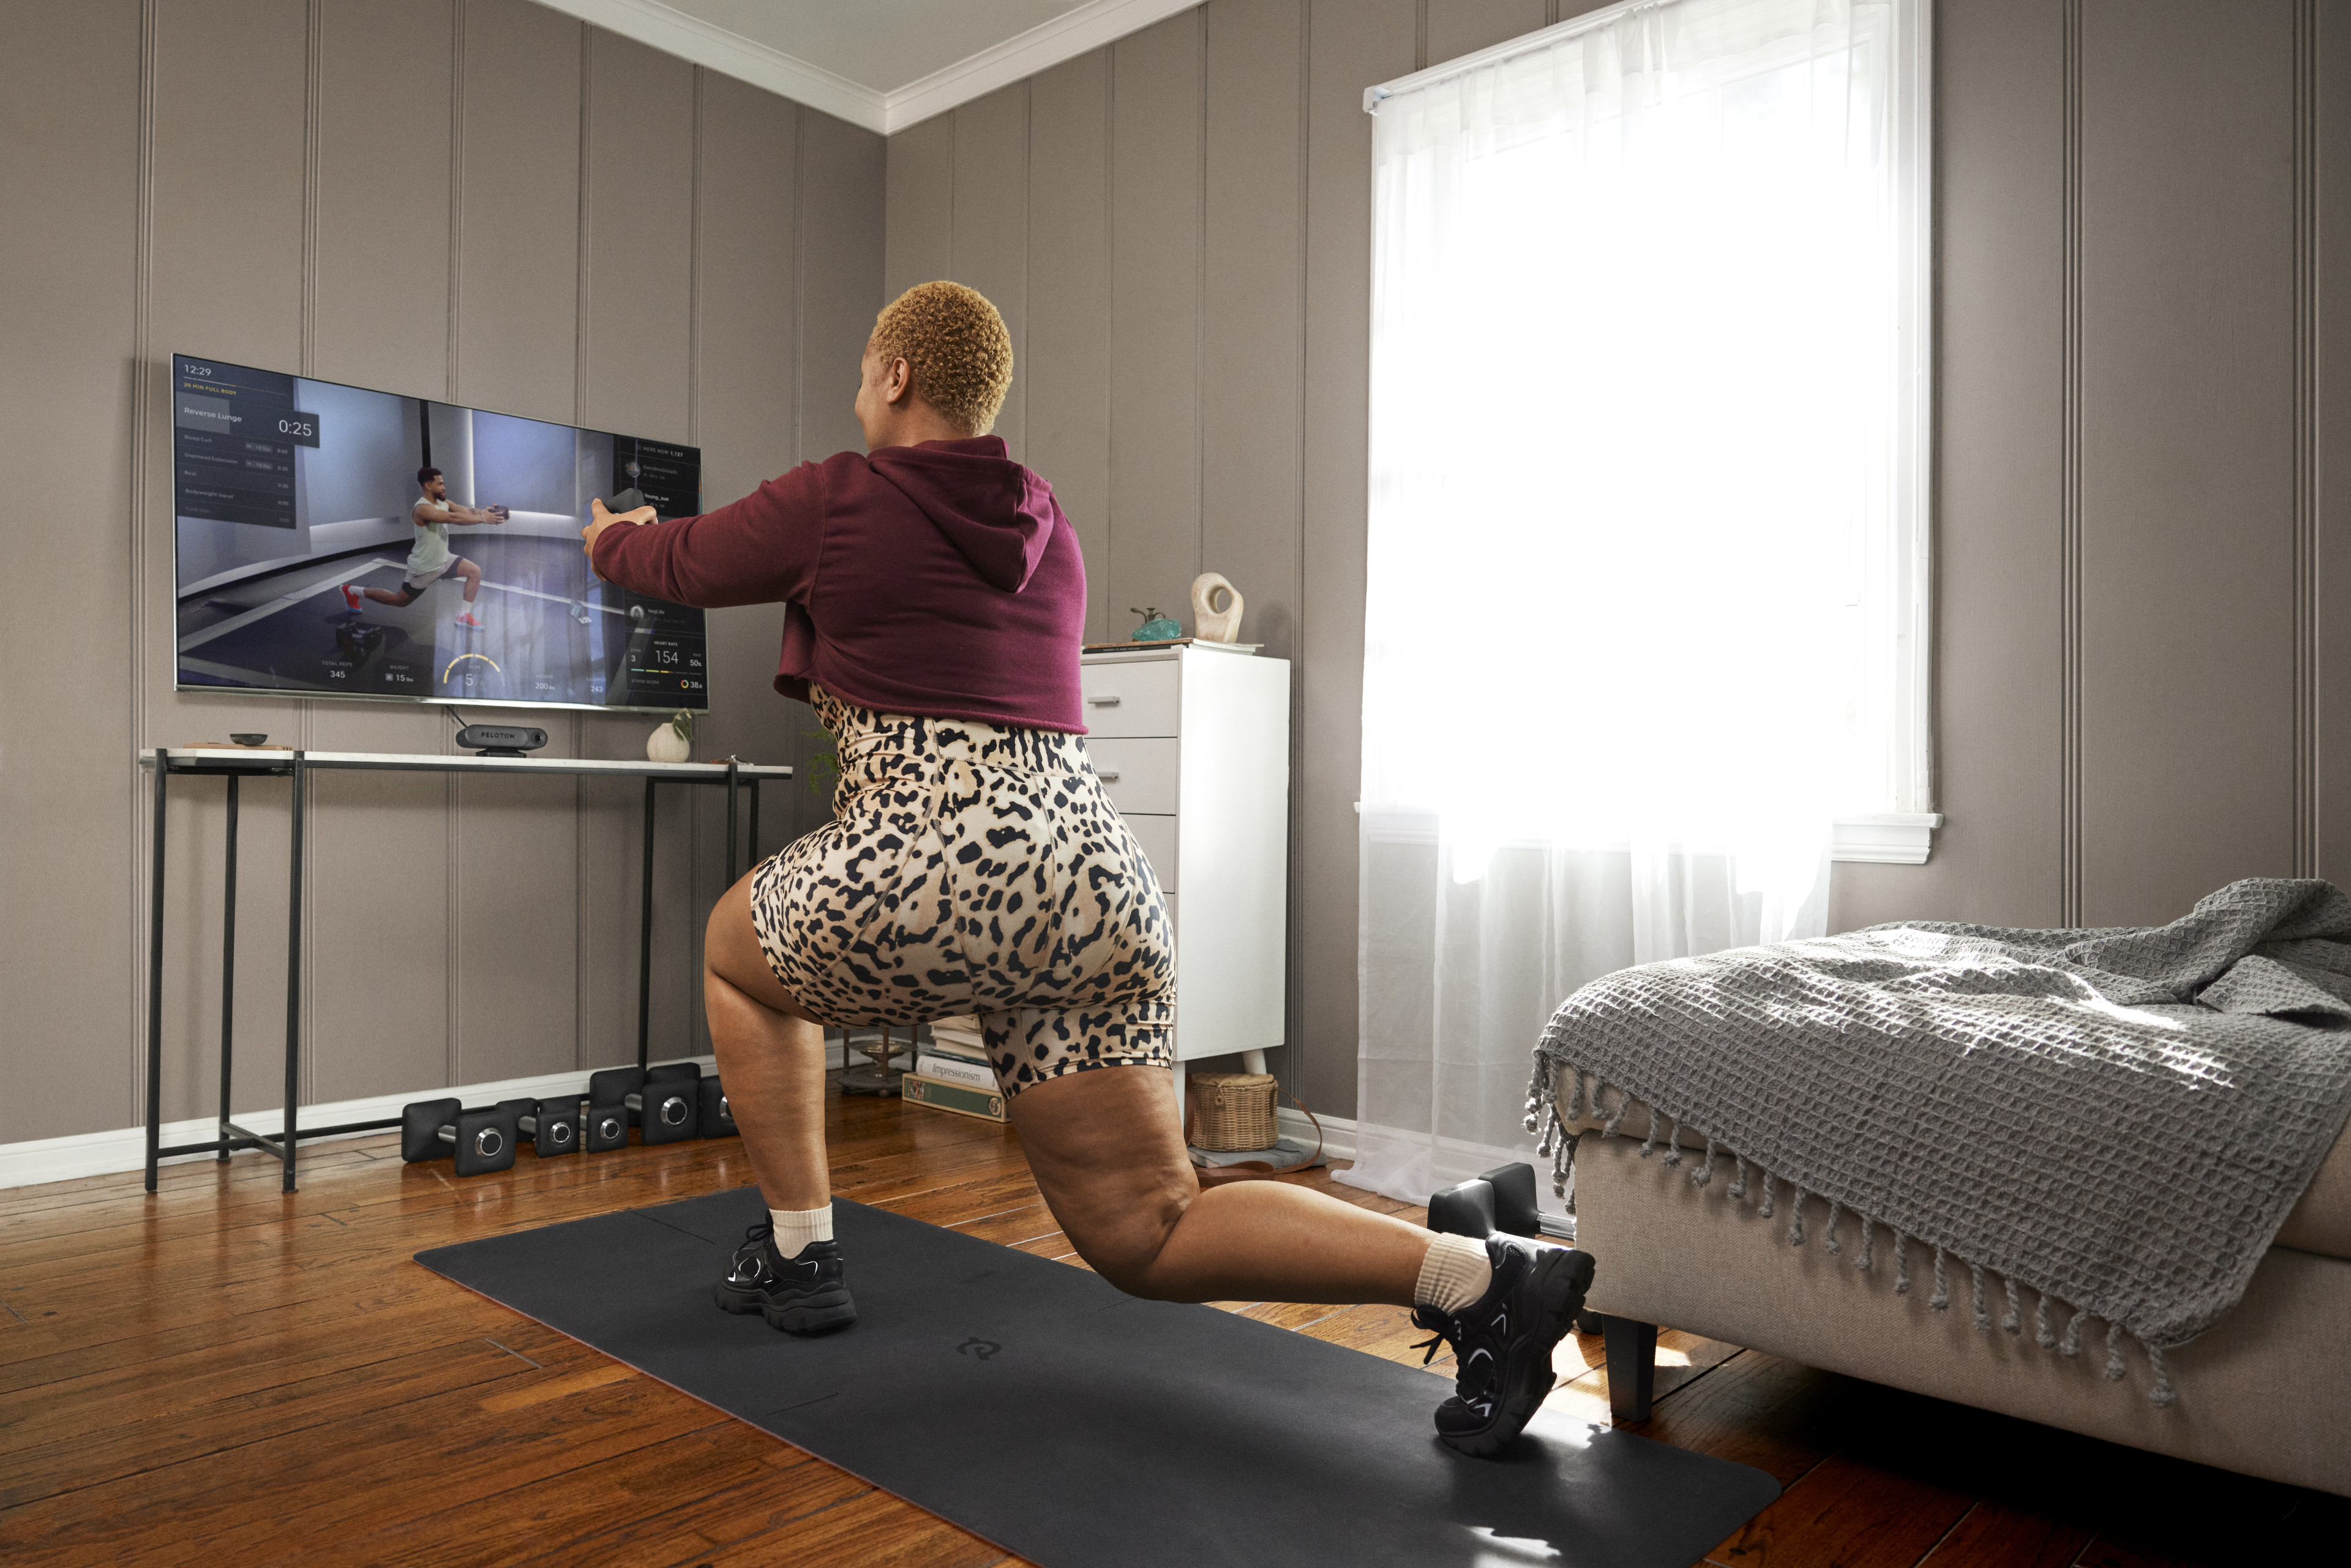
(952, 1071)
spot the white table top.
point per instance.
(611, 768)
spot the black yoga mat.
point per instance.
(1035, 1405)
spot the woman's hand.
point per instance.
(599, 520)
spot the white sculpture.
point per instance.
(1211, 623)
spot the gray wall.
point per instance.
(2143, 649)
(2142, 300)
(2143, 346)
(476, 200)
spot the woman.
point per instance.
(937, 607)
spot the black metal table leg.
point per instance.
(730, 823)
(229, 967)
(287, 1134)
(751, 850)
(645, 941)
(155, 978)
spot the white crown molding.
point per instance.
(1041, 47)
(672, 32)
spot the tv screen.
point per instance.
(334, 541)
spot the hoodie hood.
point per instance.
(992, 510)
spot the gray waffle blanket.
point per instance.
(2115, 1122)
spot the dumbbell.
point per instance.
(716, 1116)
(1500, 1199)
(552, 1126)
(483, 1141)
(666, 1103)
(605, 1127)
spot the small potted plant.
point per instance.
(672, 741)
(1155, 627)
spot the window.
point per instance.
(1650, 439)
(1646, 589)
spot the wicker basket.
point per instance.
(1230, 1111)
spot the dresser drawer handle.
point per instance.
(1111, 777)
(1104, 702)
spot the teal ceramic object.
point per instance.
(1155, 627)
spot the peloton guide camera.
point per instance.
(501, 739)
(329, 540)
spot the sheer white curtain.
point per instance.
(1645, 579)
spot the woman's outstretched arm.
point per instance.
(761, 549)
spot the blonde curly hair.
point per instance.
(955, 344)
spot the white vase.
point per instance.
(1209, 623)
(665, 745)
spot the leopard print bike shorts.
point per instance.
(974, 868)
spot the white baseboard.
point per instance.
(125, 1148)
(1409, 1165)
(1338, 1132)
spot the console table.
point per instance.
(237, 764)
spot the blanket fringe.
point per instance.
(1552, 1120)
(1624, 1103)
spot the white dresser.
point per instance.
(1192, 742)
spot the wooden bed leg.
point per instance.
(1632, 1366)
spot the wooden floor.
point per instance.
(223, 1372)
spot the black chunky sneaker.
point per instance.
(803, 1295)
(1502, 1342)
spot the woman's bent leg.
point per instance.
(1107, 1150)
(771, 1055)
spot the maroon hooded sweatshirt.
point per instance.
(939, 580)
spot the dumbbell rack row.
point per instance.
(236, 765)
(671, 1103)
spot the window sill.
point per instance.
(1890, 838)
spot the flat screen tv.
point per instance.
(333, 541)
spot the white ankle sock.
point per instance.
(796, 1227)
(1453, 1274)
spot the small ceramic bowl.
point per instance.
(248, 739)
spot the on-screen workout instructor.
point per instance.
(974, 864)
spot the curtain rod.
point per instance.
(1508, 48)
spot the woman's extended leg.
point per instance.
(771, 1056)
(1107, 1149)
(1104, 1147)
